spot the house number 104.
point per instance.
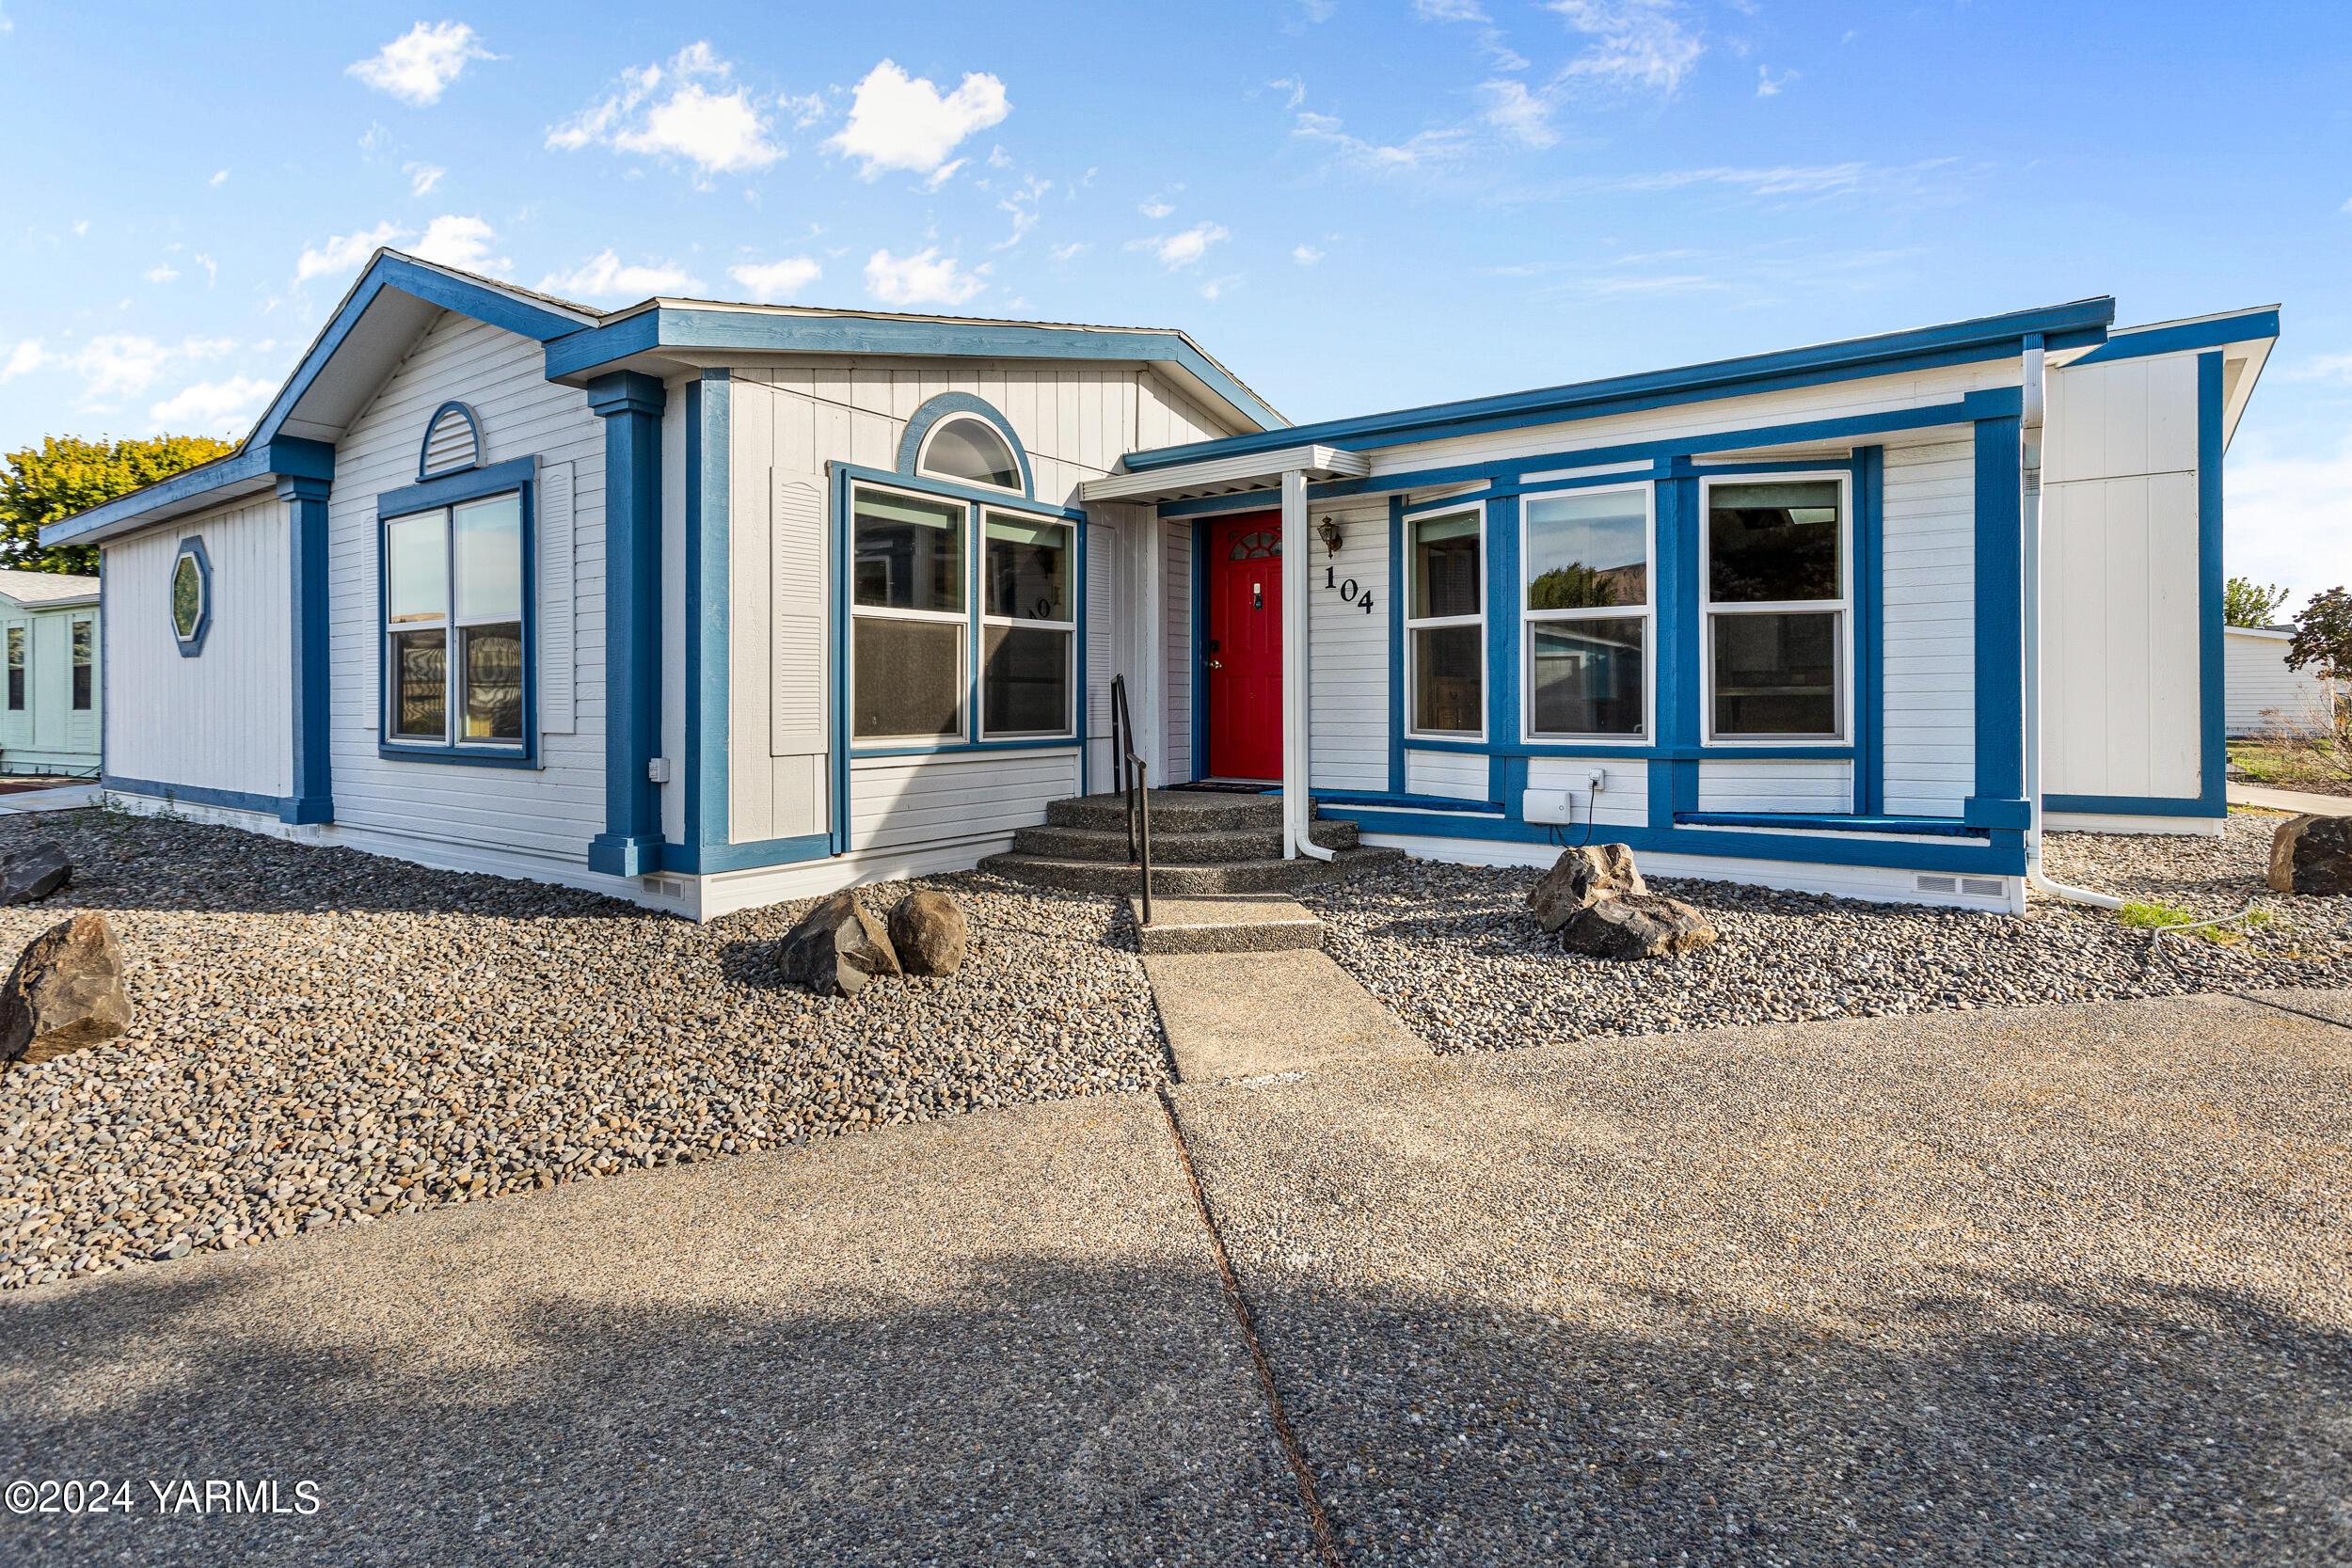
(1347, 590)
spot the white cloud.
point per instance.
(219, 179)
(1429, 146)
(1183, 249)
(24, 359)
(212, 268)
(1768, 85)
(668, 111)
(212, 405)
(1023, 205)
(606, 276)
(418, 65)
(461, 242)
(1068, 252)
(926, 278)
(1215, 287)
(1449, 11)
(121, 363)
(161, 271)
(423, 176)
(896, 121)
(342, 252)
(1156, 208)
(1295, 85)
(1636, 43)
(1524, 117)
(1306, 254)
(773, 281)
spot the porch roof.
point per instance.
(1228, 476)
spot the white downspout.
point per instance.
(1298, 802)
(2030, 429)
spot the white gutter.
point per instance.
(2030, 429)
(1297, 803)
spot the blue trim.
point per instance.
(1870, 549)
(947, 748)
(197, 795)
(1396, 645)
(2000, 669)
(1997, 859)
(1674, 623)
(2135, 805)
(919, 426)
(768, 331)
(1081, 607)
(310, 618)
(1959, 342)
(709, 607)
(704, 859)
(424, 448)
(631, 406)
(1935, 827)
(2213, 751)
(450, 489)
(1601, 749)
(192, 547)
(844, 557)
(1199, 654)
(1499, 523)
(1400, 801)
(2245, 326)
(1004, 501)
(461, 756)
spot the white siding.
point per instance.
(49, 732)
(551, 812)
(1928, 557)
(1771, 784)
(975, 798)
(220, 720)
(1456, 775)
(1624, 797)
(1177, 646)
(2259, 684)
(1348, 668)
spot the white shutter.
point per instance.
(799, 689)
(558, 712)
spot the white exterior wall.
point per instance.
(1928, 587)
(1348, 711)
(219, 720)
(2120, 568)
(1770, 784)
(1454, 775)
(1623, 799)
(2259, 684)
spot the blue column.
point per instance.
(631, 406)
(1870, 746)
(2000, 612)
(313, 786)
(1673, 781)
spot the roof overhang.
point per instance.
(1227, 476)
(2243, 338)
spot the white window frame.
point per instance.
(966, 686)
(1647, 613)
(1436, 622)
(1071, 703)
(451, 627)
(923, 457)
(1841, 606)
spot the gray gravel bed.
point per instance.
(323, 1036)
(1456, 952)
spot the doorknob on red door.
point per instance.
(1217, 664)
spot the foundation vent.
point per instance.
(1938, 884)
(1984, 887)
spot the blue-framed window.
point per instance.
(191, 596)
(1586, 588)
(1776, 605)
(1445, 621)
(455, 570)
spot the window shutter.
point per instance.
(558, 711)
(800, 689)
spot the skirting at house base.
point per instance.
(2094, 822)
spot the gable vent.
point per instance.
(452, 442)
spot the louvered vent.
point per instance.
(451, 444)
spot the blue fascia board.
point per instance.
(2133, 805)
(1932, 826)
(284, 456)
(1972, 858)
(465, 486)
(2084, 322)
(670, 326)
(2244, 327)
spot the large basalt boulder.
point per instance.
(34, 873)
(1635, 925)
(1580, 879)
(836, 948)
(2313, 855)
(928, 932)
(65, 993)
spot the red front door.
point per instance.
(1243, 654)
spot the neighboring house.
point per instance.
(49, 636)
(709, 605)
(2262, 693)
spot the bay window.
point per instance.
(908, 644)
(1445, 623)
(454, 626)
(1585, 560)
(1777, 602)
(1028, 628)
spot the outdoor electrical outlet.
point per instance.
(657, 769)
(1545, 805)
(1598, 780)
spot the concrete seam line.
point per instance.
(2297, 1012)
(1327, 1544)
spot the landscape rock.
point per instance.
(2313, 855)
(34, 873)
(928, 932)
(65, 993)
(1635, 925)
(836, 948)
(1580, 879)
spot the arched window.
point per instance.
(970, 451)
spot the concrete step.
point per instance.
(1177, 846)
(1182, 811)
(1179, 881)
(1234, 923)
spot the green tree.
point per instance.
(66, 474)
(2323, 635)
(2246, 603)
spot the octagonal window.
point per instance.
(191, 595)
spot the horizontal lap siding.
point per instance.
(552, 811)
(1928, 587)
(1624, 797)
(1348, 669)
(910, 802)
(2263, 692)
(1771, 784)
(1454, 775)
(221, 720)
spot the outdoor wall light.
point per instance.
(1330, 530)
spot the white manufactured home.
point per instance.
(50, 705)
(709, 605)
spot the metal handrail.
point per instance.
(1134, 782)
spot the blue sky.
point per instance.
(1356, 204)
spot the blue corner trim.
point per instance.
(919, 425)
(1200, 768)
(424, 447)
(1499, 541)
(450, 489)
(310, 621)
(702, 859)
(2245, 326)
(1959, 342)
(1870, 761)
(708, 605)
(792, 332)
(197, 795)
(2135, 805)
(1396, 645)
(2000, 671)
(631, 406)
(842, 550)
(1979, 812)
(1675, 622)
(192, 547)
(1972, 857)
(1932, 826)
(2212, 757)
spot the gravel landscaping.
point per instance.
(322, 1036)
(1456, 952)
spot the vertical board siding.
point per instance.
(970, 798)
(2262, 693)
(551, 811)
(1929, 638)
(1347, 712)
(223, 719)
(1770, 785)
(1456, 775)
(1624, 797)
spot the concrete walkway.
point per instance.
(66, 797)
(2060, 1285)
(2290, 800)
